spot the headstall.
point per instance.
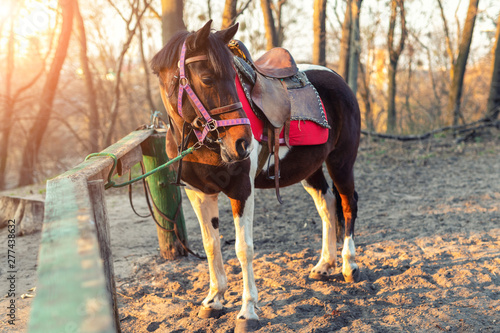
(210, 123)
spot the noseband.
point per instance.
(211, 124)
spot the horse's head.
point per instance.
(197, 87)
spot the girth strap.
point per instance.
(273, 143)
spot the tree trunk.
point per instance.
(391, 100)
(394, 54)
(459, 66)
(319, 28)
(345, 42)
(355, 47)
(89, 85)
(366, 98)
(171, 18)
(35, 137)
(409, 112)
(271, 35)
(493, 106)
(6, 125)
(229, 14)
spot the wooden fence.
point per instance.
(75, 289)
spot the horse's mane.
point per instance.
(216, 51)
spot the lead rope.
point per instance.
(147, 194)
(174, 221)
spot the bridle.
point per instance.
(210, 125)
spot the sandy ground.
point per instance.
(427, 242)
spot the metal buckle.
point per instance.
(197, 145)
(212, 125)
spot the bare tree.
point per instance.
(272, 22)
(93, 112)
(319, 28)
(436, 104)
(136, 13)
(11, 98)
(366, 97)
(231, 12)
(171, 18)
(394, 54)
(145, 66)
(459, 62)
(271, 34)
(345, 42)
(355, 47)
(37, 131)
(493, 106)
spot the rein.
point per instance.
(211, 124)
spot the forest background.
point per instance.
(75, 75)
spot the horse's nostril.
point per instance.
(241, 148)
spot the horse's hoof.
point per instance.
(206, 313)
(246, 325)
(353, 277)
(317, 276)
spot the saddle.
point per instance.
(278, 93)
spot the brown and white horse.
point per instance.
(197, 84)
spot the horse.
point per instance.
(197, 85)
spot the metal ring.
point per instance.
(183, 79)
(212, 125)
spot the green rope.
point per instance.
(115, 162)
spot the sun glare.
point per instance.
(32, 19)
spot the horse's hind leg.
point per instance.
(325, 201)
(206, 208)
(343, 179)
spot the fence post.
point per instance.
(166, 197)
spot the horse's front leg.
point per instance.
(207, 211)
(243, 221)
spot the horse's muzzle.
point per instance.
(242, 149)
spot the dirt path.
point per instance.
(427, 242)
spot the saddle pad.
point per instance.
(302, 132)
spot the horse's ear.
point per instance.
(227, 34)
(200, 37)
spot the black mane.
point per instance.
(217, 52)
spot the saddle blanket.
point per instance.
(302, 132)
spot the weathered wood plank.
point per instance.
(28, 213)
(71, 294)
(98, 167)
(98, 202)
(129, 160)
(75, 289)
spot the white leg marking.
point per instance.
(206, 208)
(326, 206)
(348, 256)
(244, 247)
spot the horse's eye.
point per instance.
(207, 80)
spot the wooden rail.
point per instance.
(75, 290)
